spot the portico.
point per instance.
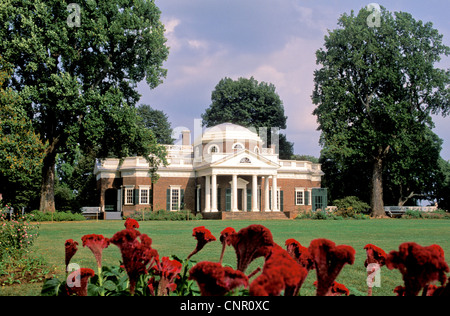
(253, 178)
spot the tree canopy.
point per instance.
(249, 103)
(78, 83)
(157, 121)
(375, 92)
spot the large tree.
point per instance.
(158, 122)
(251, 104)
(377, 86)
(76, 69)
(21, 150)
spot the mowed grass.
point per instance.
(176, 238)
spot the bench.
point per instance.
(91, 212)
(397, 211)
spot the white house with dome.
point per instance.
(228, 170)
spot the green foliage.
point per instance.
(78, 84)
(21, 150)
(248, 103)
(158, 122)
(17, 235)
(351, 206)
(443, 186)
(375, 92)
(163, 215)
(56, 216)
(416, 214)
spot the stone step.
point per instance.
(113, 215)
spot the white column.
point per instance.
(234, 197)
(266, 194)
(255, 193)
(214, 193)
(274, 194)
(207, 193)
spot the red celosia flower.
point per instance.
(215, 280)
(168, 271)
(250, 243)
(376, 258)
(203, 236)
(300, 254)
(280, 272)
(225, 240)
(419, 266)
(400, 290)
(337, 289)
(131, 223)
(329, 260)
(77, 282)
(71, 249)
(138, 256)
(96, 243)
(375, 255)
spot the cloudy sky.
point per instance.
(272, 40)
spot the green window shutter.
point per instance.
(219, 208)
(281, 201)
(168, 200)
(151, 197)
(228, 200)
(249, 200)
(136, 196)
(270, 199)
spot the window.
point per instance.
(245, 160)
(175, 199)
(129, 196)
(144, 195)
(238, 146)
(213, 149)
(257, 150)
(279, 198)
(302, 196)
(175, 196)
(299, 197)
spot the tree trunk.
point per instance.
(376, 200)
(47, 203)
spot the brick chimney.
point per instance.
(186, 137)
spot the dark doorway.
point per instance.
(111, 200)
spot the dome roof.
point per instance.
(229, 131)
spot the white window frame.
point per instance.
(147, 190)
(174, 188)
(126, 190)
(302, 191)
(238, 144)
(278, 198)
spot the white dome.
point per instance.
(229, 131)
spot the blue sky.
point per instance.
(272, 40)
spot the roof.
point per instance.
(229, 131)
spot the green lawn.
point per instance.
(176, 238)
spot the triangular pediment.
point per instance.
(245, 159)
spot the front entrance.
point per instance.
(111, 200)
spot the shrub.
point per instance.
(163, 215)
(17, 235)
(57, 216)
(351, 206)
